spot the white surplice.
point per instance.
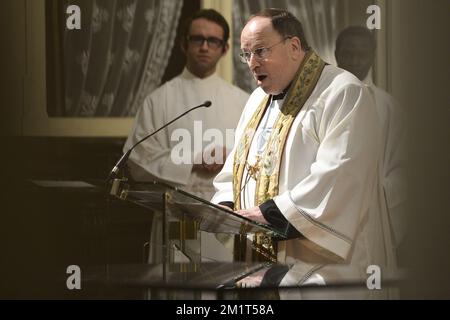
(152, 158)
(392, 170)
(328, 184)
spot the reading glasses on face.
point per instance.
(260, 53)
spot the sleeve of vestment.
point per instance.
(329, 204)
(152, 158)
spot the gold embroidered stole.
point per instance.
(267, 169)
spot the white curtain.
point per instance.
(319, 20)
(119, 55)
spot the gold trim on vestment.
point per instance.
(267, 169)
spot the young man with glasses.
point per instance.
(306, 153)
(204, 43)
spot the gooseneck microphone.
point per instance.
(123, 160)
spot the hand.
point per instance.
(225, 207)
(253, 280)
(250, 281)
(207, 168)
(214, 167)
(254, 214)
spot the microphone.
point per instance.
(123, 160)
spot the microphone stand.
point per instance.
(119, 188)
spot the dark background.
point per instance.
(424, 69)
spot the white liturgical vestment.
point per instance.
(392, 169)
(328, 178)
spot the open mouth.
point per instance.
(261, 77)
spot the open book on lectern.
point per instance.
(183, 205)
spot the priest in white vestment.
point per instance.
(306, 154)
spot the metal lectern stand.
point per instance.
(182, 216)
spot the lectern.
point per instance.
(175, 235)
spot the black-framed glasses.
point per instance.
(213, 42)
(260, 53)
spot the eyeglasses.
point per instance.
(260, 53)
(213, 42)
